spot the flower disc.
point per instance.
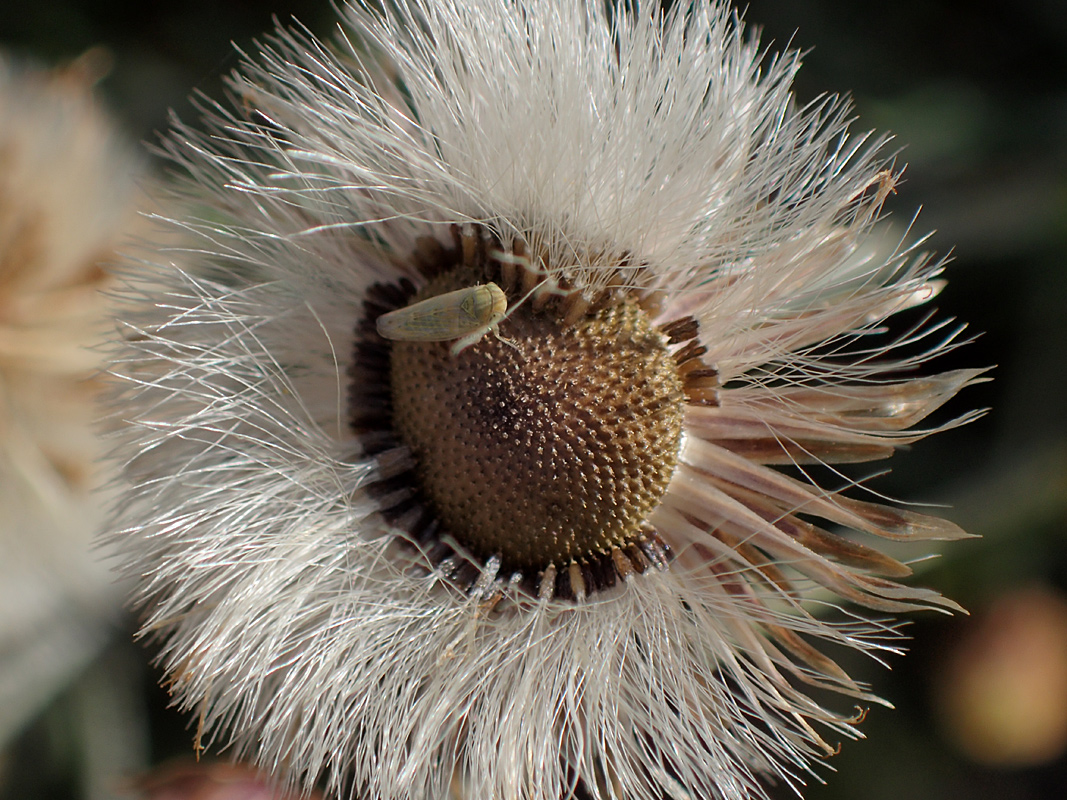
(547, 448)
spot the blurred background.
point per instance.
(976, 97)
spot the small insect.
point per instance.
(465, 315)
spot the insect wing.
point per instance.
(446, 316)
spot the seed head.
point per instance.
(579, 554)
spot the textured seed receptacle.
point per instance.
(549, 452)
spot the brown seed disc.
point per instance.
(548, 453)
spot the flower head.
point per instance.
(567, 549)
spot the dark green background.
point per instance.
(977, 97)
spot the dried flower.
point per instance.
(66, 198)
(584, 555)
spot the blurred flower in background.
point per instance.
(1002, 693)
(66, 201)
(185, 780)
